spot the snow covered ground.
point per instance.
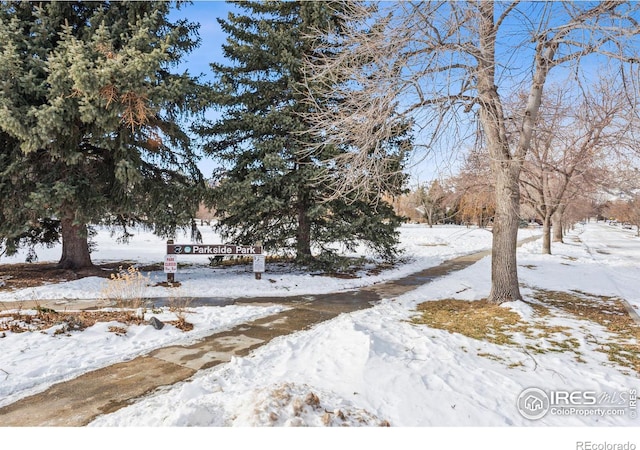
(423, 247)
(369, 367)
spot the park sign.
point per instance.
(214, 249)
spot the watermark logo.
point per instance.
(534, 403)
(589, 445)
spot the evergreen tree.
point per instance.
(268, 188)
(89, 122)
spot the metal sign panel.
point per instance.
(258, 263)
(213, 249)
(170, 264)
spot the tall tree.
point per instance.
(572, 135)
(442, 61)
(89, 116)
(270, 187)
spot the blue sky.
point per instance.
(212, 37)
(206, 14)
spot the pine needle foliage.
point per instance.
(91, 122)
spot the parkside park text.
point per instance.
(221, 249)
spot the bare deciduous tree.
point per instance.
(429, 202)
(627, 211)
(572, 136)
(474, 190)
(448, 66)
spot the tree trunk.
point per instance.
(75, 246)
(427, 215)
(504, 269)
(546, 235)
(303, 234)
(558, 231)
(506, 169)
(505, 165)
(558, 226)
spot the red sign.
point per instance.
(170, 264)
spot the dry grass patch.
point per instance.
(622, 347)
(499, 325)
(40, 319)
(478, 320)
(43, 318)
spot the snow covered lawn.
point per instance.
(377, 367)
